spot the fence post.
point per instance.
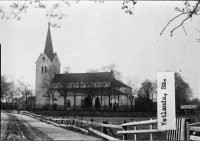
(67, 121)
(77, 123)
(73, 121)
(81, 121)
(151, 135)
(124, 129)
(187, 131)
(135, 135)
(90, 126)
(104, 129)
(62, 122)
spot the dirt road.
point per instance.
(12, 128)
(22, 127)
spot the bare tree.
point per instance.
(18, 9)
(6, 88)
(63, 88)
(75, 86)
(92, 71)
(67, 69)
(146, 94)
(46, 88)
(189, 11)
(183, 91)
(93, 80)
(113, 67)
(109, 81)
(109, 86)
(25, 89)
(132, 82)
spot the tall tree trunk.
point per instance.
(101, 97)
(49, 98)
(109, 103)
(65, 102)
(52, 100)
(118, 102)
(131, 103)
(75, 99)
(26, 102)
(91, 101)
(52, 93)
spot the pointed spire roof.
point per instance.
(48, 50)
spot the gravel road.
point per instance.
(13, 128)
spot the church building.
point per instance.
(72, 90)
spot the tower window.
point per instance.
(45, 69)
(43, 58)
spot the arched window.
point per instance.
(45, 69)
(68, 103)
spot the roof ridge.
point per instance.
(86, 73)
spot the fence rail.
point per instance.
(102, 134)
(140, 123)
(193, 128)
(88, 127)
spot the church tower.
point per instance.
(47, 65)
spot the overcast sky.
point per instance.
(95, 35)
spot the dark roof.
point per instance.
(117, 83)
(88, 77)
(48, 50)
(82, 77)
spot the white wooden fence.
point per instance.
(181, 133)
(193, 128)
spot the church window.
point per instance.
(45, 69)
(56, 59)
(43, 58)
(68, 103)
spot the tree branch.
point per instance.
(171, 21)
(190, 14)
(179, 26)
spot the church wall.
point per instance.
(123, 101)
(39, 75)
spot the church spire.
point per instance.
(48, 50)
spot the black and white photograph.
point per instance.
(100, 70)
